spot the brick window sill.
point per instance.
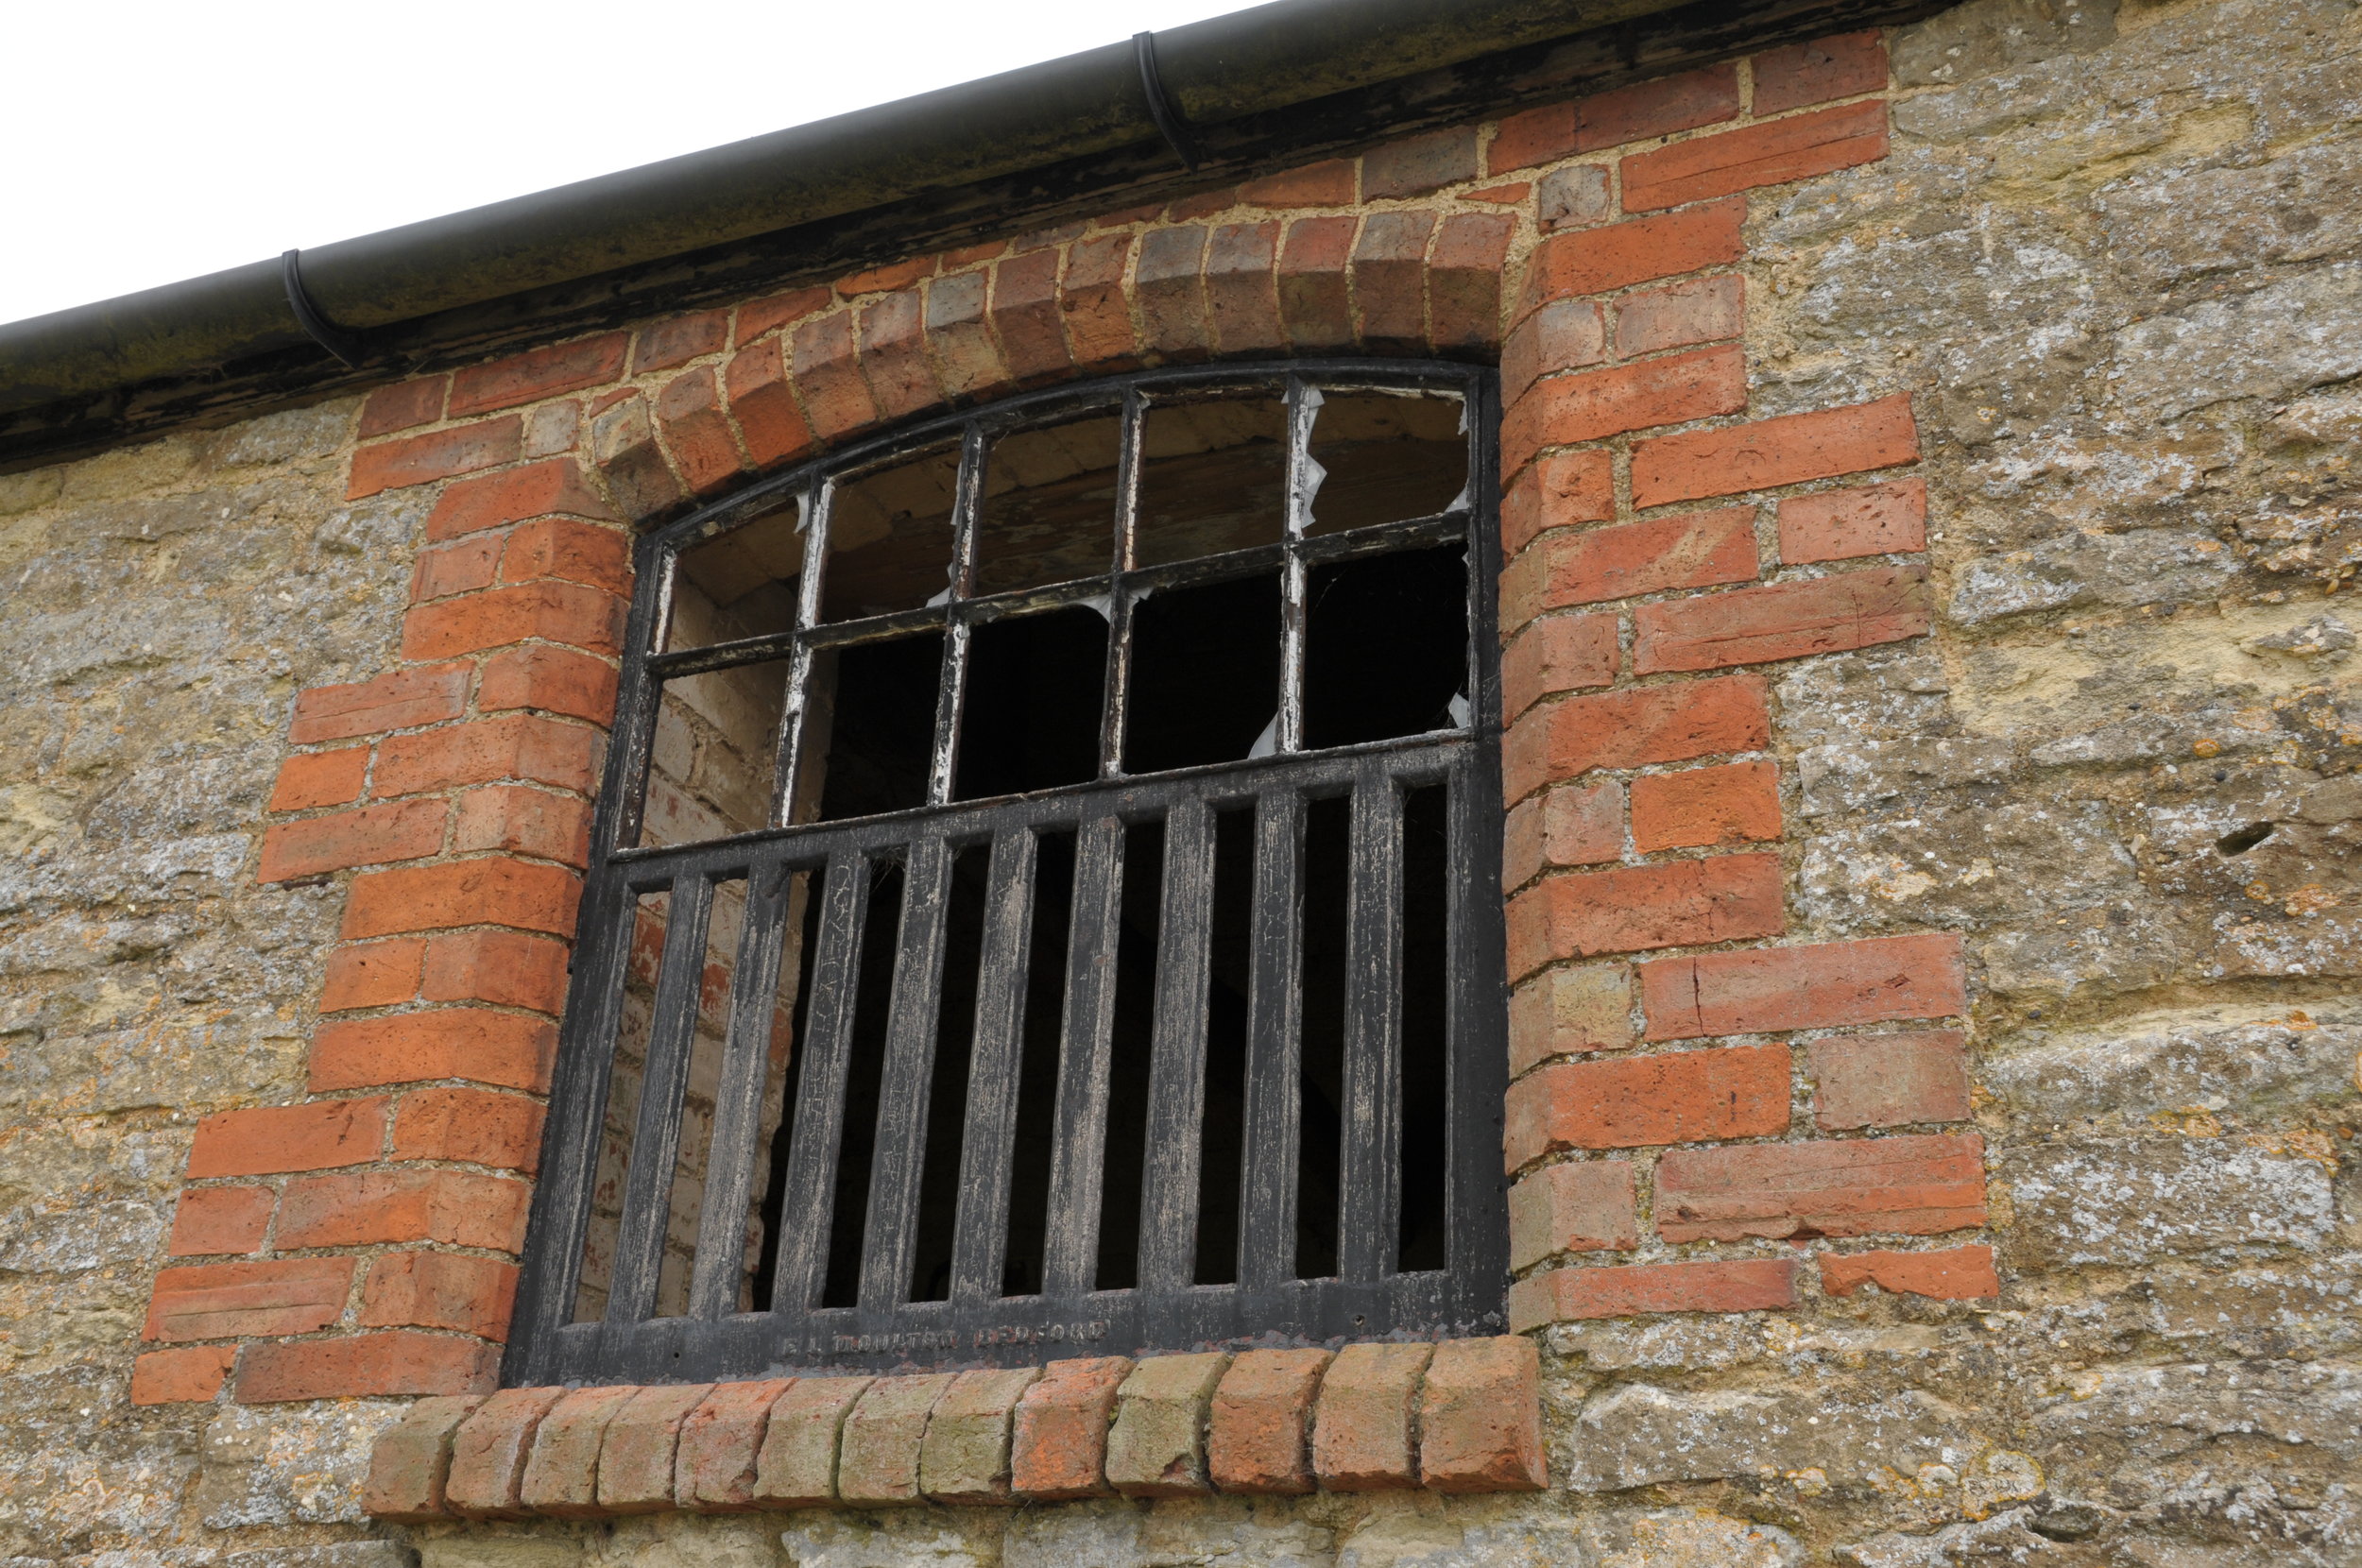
(1464, 1416)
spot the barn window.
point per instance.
(1045, 896)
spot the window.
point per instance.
(1045, 898)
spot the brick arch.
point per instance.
(817, 367)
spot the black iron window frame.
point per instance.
(977, 1325)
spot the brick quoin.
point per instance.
(1702, 310)
(514, 746)
(1873, 519)
(374, 974)
(1768, 154)
(1826, 985)
(1915, 1185)
(1557, 491)
(221, 1222)
(452, 1290)
(1641, 250)
(1954, 1274)
(1633, 1102)
(1569, 1010)
(454, 1207)
(270, 1140)
(506, 1050)
(1796, 75)
(494, 892)
(538, 373)
(1566, 1295)
(553, 611)
(1633, 729)
(438, 455)
(1573, 824)
(1736, 803)
(554, 488)
(191, 1375)
(1790, 449)
(403, 699)
(375, 835)
(395, 1362)
(1558, 652)
(1686, 549)
(1678, 904)
(218, 1300)
(1584, 1206)
(474, 1126)
(321, 778)
(1780, 621)
(405, 405)
(1890, 1079)
(1562, 410)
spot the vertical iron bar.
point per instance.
(1370, 1181)
(1176, 1084)
(789, 762)
(656, 1136)
(1274, 1046)
(981, 1238)
(835, 969)
(1303, 404)
(966, 489)
(1079, 1157)
(1118, 683)
(891, 1230)
(738, 1101)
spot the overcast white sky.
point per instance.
(145, 143)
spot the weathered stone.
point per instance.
(796, 1467)
(879, 1458)
(1157, 1445)
(1641, 1435)
(965, 1455)
(2128, 1202)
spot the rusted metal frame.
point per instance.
(1078, 1156)
(1176, 1083)
(639, 1238)
(1370, 1179)
(889, 1233)
(714, 1283)
(810, 1198)
(981, 1229)
(1275, 1045)
(1123, 595)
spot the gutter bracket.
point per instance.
(1170, 122)
(346, 345)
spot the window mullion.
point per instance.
(1118, 681)
(1303, 404)
(788, 765)
(945, 758)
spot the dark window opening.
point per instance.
(1044, 897)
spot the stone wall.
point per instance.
(2110, 271)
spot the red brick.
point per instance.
(437, 454)
(1676, 904)
(538, 373)
(698, 432)
(1568, 1295)
(1562, 410)
(483, 751)
(964, 1457)
(564, 612)
(375, 835)
(1584, 1207)
(266, 1140)
(321, 778)
(525, 821)
(453, 1207)
(1417, 165)
(1701, 98)
(1556, 654)
(1315, 305)
(219, 1300)
(1559, 490)
(1532, 137)
(440, 1290)
(1481, 1417)
(460, 567)
(827, 376)
(469, 1126)
(713, 1466)
(410, 1461)
(1820, 615)
(630, 459)
(1702, 310)
(757, 316)
(1633, 729)
(1595, 261)
(1643, 1102)
(1260, 1438)
(561, 1477)
(1240, 296)
(1772, 153)
(1362, 1433)
(405, 405)
(1736, 803)
(503, 1049)
(372, 974)
(1800, 74)
(563, 549)
(879, 280)
(1824, 987)
(1464, 282)
(539, 489)
(1096, 308)
(1388, 274)
(508, 968)
(1058, 1441)
(1914, 1185)
(1329, 183)
(489, 1451)
(1954, 1274)
(959, 335)
(193, 1376)
(877, 1459)
(1203, 204)
(1873, 519)
(635, 1454)
(1890, 1079)
(1564, 335)
(555, 680)
(424, 694)
(797, 1465)
(220, 1221)
(395, 1362)
(1568, 1010)
(770, 420)
(1172, 285)
(894, 355)
(679, 340)
(1026, 316)
(968, 255)
(1687, 549)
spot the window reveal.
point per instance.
(1066, 915)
